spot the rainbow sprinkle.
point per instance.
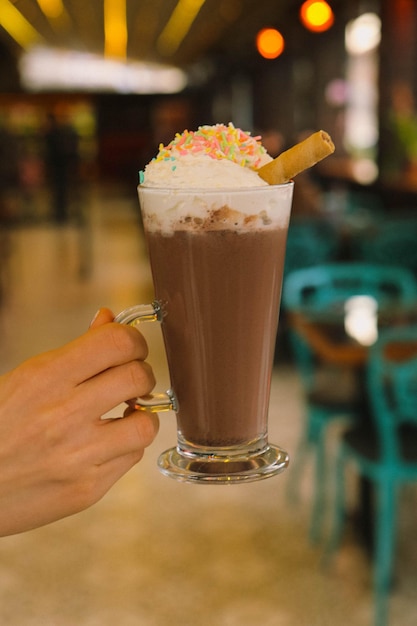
(218, 142)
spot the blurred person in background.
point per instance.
(61, 164)
(9, 174)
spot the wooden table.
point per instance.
(324, 331)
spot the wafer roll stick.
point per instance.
(298, 158)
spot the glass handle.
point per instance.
(140, 313)
(154, 402)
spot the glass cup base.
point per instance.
(225, 470)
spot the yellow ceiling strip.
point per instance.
(51, 8)
(178, 26)
(56, 14)
(115, 28)
(18, 26)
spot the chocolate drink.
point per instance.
(221, 292)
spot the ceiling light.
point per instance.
(270, 43)
(115, 28)
(316, 15)
(51, 8)
(56, 15)
(17, 26)
(363, 34)
(178, 26)
(43, 69)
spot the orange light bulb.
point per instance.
(270, 43)
(316, 15)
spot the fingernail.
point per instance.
(95, 317)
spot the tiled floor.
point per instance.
(153, 551)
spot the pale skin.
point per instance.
(57, 456)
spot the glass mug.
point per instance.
(217, 259)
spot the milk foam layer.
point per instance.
(170, 210)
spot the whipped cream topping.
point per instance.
(213, 157)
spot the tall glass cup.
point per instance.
(217, 259)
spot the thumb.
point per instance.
(103, 316)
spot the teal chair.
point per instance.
(385, 451)
(391, 242)
(314, 289)
(358, 201)
(310, 241)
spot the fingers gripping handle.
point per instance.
(140, 313)
(155, 402)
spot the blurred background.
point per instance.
(124, 76)
(88, 90)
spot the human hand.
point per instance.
(57, 456)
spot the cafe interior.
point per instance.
(332, 540)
